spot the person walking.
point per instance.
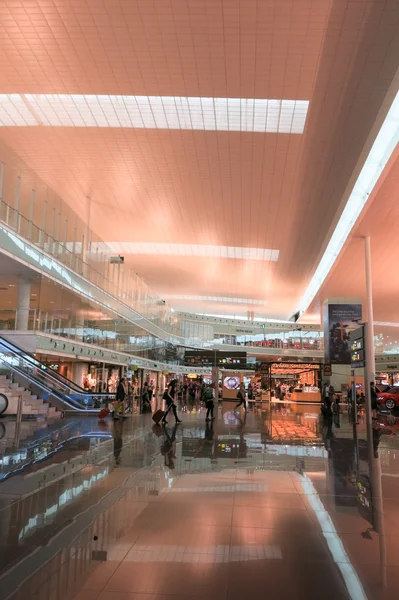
(373, 398)
(169, 397)
(119, 407)
(209, 402)
(241, 396)
(328, 397)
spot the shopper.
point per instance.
(169, 397)
(191, 394)
(328, 397)
(373, 398)
(209, 402)
(250, 392)
(150, 392)
(241, 396)
(145, 399)
(119, 406)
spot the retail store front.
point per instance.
(295, 382)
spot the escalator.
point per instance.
(23, 368)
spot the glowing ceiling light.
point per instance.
(201, 250)
(153, 112)
(375, 163)
(225, 299)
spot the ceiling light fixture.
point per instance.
(376, 161)
(201, 250)
(154, 112)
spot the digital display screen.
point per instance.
(231, 382)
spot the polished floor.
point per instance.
(277, 503)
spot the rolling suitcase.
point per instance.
(103, 413)
(157, 416)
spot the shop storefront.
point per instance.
(297, 382)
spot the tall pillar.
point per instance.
(24, 287)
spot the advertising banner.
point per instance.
(339, 321)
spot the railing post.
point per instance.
(44, 225)
(16, 204)
(31, 213)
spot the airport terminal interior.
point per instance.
(199, 284)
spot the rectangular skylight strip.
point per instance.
(202, 250)
(153, 112)
(225, 299)
(376, 161)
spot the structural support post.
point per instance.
(375, 465)
(369, 339)
(22, 319)
(31, 213)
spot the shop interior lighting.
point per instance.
(376, 161)
(153, 112)
(200, 250)
(243, 318)
(226, 299)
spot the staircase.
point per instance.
(31, 404)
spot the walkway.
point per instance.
(272, 506)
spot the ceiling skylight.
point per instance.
(203, 250)
(153, 112)
(225, 299)
(375, 163)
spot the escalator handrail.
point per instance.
(47, 372)
(70, 402)
(54, 374)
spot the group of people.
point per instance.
(124, 398)
(207, 395)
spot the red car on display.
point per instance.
(389, 397)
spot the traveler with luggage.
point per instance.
(169, 397)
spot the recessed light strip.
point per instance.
(376, 161)
(153, 112)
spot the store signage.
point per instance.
(212, 357)
(327, 371)
(285, 368)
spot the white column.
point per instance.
(24, 287)
(375, 464)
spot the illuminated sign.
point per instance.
(357, 348)
(292, 368)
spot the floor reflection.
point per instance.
(242, 501)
